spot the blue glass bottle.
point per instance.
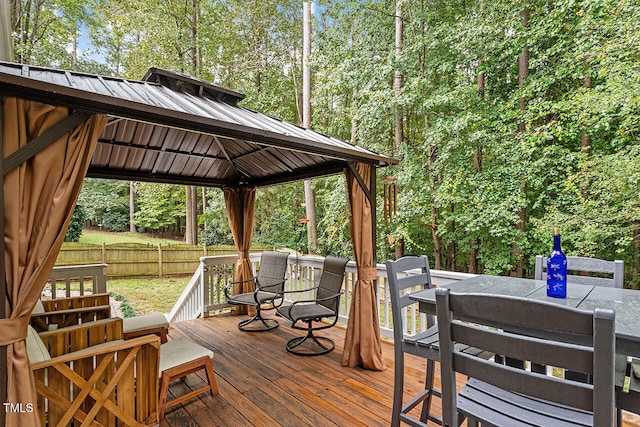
(557, 269)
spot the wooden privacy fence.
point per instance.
(139, 260)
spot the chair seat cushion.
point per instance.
(296, 312)
(148, 321)
(35, 347)
(180, 351)
(249, 299)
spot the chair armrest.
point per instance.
(90, 300)
(78, 337)
(229, 285)
(68, 317)
(260, 287)
(297, 291)
(98, 350)
(317, 299)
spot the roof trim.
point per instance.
(55, 94)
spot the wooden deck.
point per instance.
(263, 385)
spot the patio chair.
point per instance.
(627, 385)
(591, 271)
(87, 373)
(595, 272)
(406, 276)
(312, 312)
(269, 283)
(97, 352)
(547, 333)
(49, 314)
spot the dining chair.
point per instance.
(406, 276)
(599, 272)
(591, 271)
(542, 332)
(423, 344)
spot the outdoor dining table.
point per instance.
(625, 302)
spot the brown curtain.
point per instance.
(40, 197)
(362, 341)
(241, 204)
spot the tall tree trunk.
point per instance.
(523, 73)
(636, 253)
(309, 196)
(474, 242)
(397, 78)
(437, 247)
(397, 89)
(132, 207)
(191, 205)
(6, 41)
(204, 203)
(585, 141)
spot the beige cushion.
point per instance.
(35, 347)
(148, 321)
(180, 351)
(39, 308)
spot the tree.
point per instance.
(75, 225)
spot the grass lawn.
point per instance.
(150, 294)
(99, 237)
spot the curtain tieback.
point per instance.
(244, 254)
(13, 330)
(367, 273)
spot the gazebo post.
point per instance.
(374, 219)
(3, 283)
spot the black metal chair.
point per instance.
(549, 334)
(311, 313)
(269, 284)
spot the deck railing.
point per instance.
(205, 295)
(90, 278)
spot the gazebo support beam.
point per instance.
(41, 142)
(3, 285)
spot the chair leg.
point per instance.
(267, 323)
(179, 372)
(398, 387)
(326, 344)
(428, 385)
(400, 412)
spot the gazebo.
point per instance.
(57, 126)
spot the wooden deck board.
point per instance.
(262, 385)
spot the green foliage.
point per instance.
(159, 205)
(75, 225)
(481, 152)
(125, 306)
(106, 202)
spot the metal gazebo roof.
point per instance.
(172, 128)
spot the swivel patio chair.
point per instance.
(324, 305)
(547, 333)
(269, 283)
